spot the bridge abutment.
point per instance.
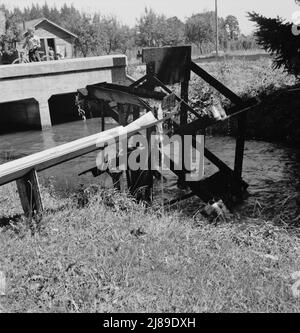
(44, 113)
(41, 80)
(19, 115)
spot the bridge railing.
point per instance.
(24, 170)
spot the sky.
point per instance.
(128, 10)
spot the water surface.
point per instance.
(272, 170)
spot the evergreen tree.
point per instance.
(276, 37)
(54, 15)
(46, 11)
(35, 12)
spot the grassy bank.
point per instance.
(93, 253)
(100, 252)
(276, 119)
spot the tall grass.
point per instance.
(113, 255)
(101, 252)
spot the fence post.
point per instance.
(29, 192)
(183, 121)
(240, 144)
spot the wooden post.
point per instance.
(240, 144)
(149, 178)
(185, 97)
(103, 109)
(130, 175)
(29, 192)
(136, 112)
(119, 177)
(183, 121)
(122, 115)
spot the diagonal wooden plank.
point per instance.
(139, 81)
(216, 84)
(140, 92)
(189, 108)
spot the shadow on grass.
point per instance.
(5, 221)
(12, 222)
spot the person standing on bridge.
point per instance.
(32, 43)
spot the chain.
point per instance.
(78, 102)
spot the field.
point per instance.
(243, 73)
(101, 252)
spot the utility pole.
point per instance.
(217, 28)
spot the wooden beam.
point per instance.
(111, 112)
(184, 94)
(140, 92)
(202, 123)
(135, 112)
(16, 169)
(189, 108)
(116, 96)
(240, 145)
(216, 161)
(139, 81)
(29, 192)
(102, 107)
(122, 115)
(185, 97)
(235, 110)
(216, 84)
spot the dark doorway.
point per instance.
(51, 46)
(51, 43)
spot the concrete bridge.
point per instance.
(26, 89)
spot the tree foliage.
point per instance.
(174, 31)
(104, 34)
(276, 37)
(112, 35)
(155, 30)
(150, 29)
(199, 29)
(87, 42)
(13, 32)
(232, 27)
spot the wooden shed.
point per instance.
(51, 35)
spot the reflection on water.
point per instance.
(64, 176)
(272, 170)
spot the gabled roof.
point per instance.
(34, 23)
